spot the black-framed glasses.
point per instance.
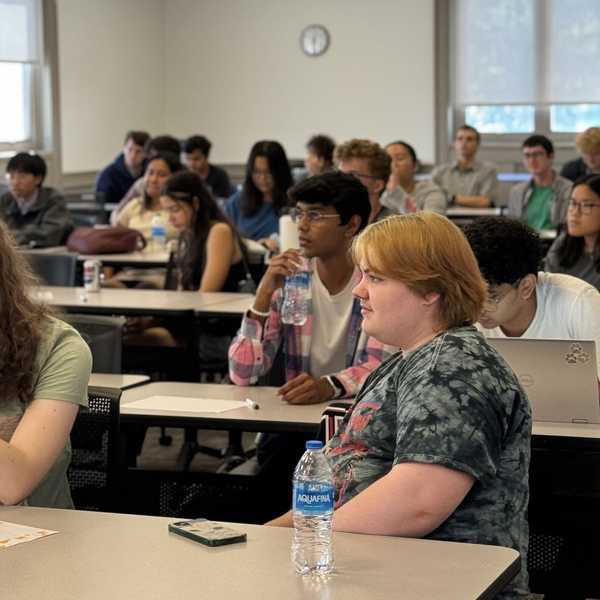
(313, 216)
(584, 207)
(494, 297)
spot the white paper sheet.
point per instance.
(12, 534)
(177, 404)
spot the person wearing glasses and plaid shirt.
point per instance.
(328, 356)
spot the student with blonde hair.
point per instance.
(588, 145)
(437, 442)
(44, 371)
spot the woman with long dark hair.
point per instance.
(209, 257)
(44, 371)
(256, 208)
(577, 251)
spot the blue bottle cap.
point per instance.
(314, 445)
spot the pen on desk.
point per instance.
(251, 404)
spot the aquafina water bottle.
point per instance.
(158, 232)
(294, 308)
(312, 512)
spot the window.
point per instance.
(521, 66)
(20, 41)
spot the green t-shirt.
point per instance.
(539, 208)
(63, 365)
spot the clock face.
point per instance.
(314, 40)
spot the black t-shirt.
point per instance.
(218, 182)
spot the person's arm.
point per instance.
(124, 217)
(472, 201)
(487, 192)
(132, 193)
(411, 500)
(220, 249)
(40, 437)
(51, 230)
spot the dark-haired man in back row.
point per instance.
(196, 150)
(36, 215)
(115, 180)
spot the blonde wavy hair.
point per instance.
(427, 253)
(588, 141)
(377, 157)
(21, 322)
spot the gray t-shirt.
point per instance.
(62, 367)
(453, 402)
(480, 179)
(584, 268)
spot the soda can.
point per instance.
(91, 275)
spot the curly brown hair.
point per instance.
(379, 161)
(21, 321)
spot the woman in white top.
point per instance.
(138, 214)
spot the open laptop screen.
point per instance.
(559, 376)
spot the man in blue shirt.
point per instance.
(115, 180)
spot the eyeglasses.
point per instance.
(313, 216)
(584, 207)
(265, 174)
(361, 175)
(537, 154)
(494, 298)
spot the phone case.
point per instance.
(206, 532)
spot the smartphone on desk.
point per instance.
(207, 532)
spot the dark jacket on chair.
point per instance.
(46, 223)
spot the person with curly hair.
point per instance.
(521, 300)
(370, 164)
(44, 371)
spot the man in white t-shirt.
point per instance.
(523, 302)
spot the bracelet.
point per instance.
(260, 313)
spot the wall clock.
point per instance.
(314, 40)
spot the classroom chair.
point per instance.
(94, 473)
(103, 336)
(54, 269)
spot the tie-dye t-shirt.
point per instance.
(452, 402)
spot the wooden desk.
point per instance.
(272, 416)
(118, 381)
(99, 555)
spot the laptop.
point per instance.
(560, 377)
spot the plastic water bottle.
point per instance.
(158, 232)
(313, 512)
(294, 309)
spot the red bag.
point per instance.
(105, 240)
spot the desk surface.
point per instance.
(134, 301)
(273, 414)
(114, 380)
(128, 258)
(99, 555)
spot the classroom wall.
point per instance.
(235, 71)
(111, 72)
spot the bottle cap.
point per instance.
(314, 445)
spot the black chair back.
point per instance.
(54, 269)
(104, 337)
(94, 474)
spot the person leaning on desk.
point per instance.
(44, 370)
(437, 443)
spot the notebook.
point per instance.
(560, 377)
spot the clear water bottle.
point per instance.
(158, 232)
(313, 512)
(294, 309)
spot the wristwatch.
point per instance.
(338, 388)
